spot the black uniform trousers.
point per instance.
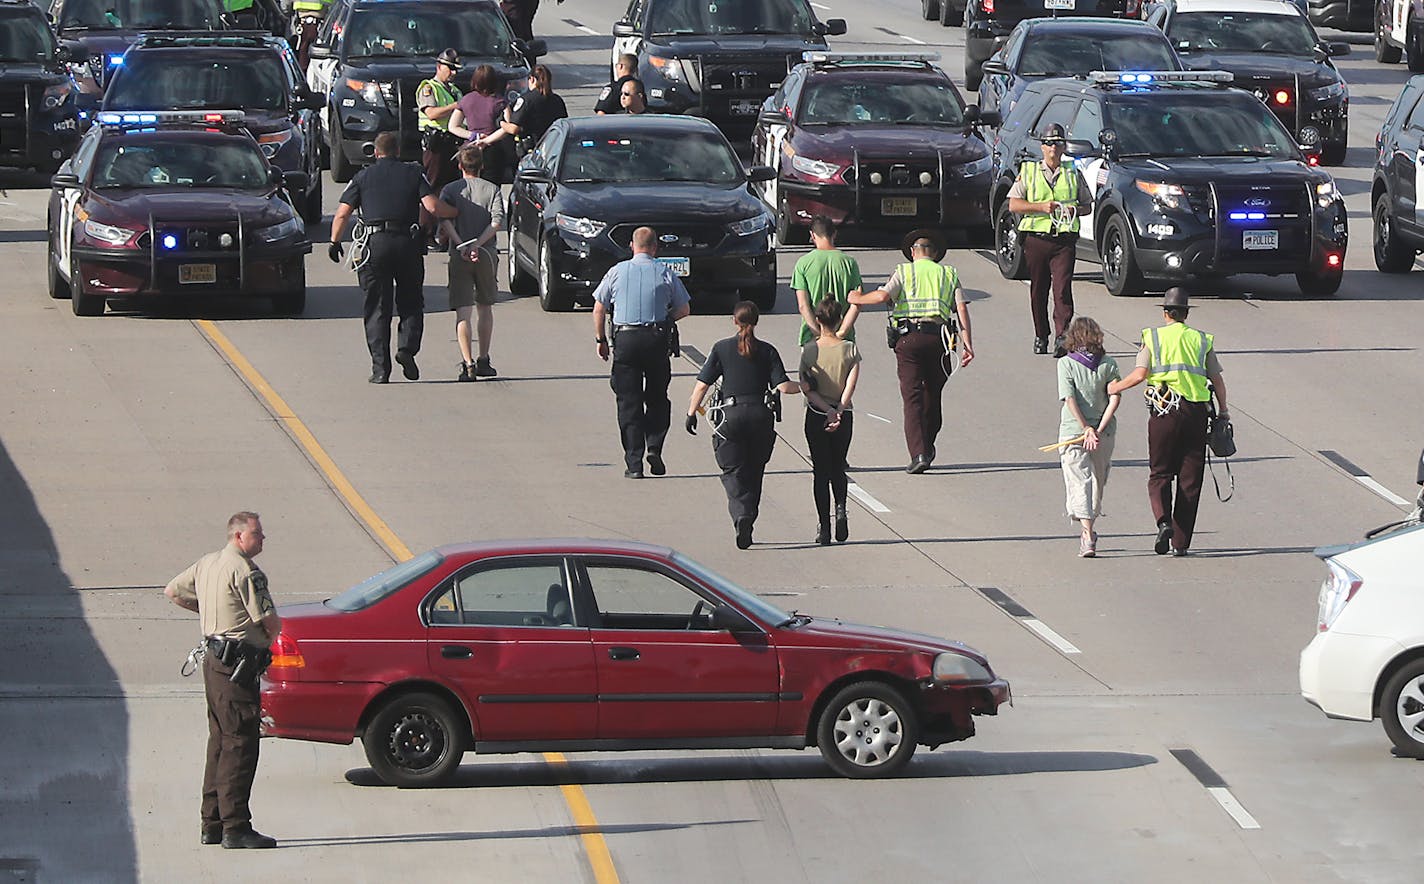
(641, 373)
(920, 364)
(1176, 450)
(234, 732)
(393, 272)
(521, 16)
(1050, 260)
(742, 446)
(828, 460)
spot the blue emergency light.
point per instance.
(1134, 78)
(170, 241)
(116, 60)
(1246, 216)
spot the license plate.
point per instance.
(197, 273)
(680, 266)
(899, 205)
(745, 108)
(1260, 239)
(1058, 4)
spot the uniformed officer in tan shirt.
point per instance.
(239, 622)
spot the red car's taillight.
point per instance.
(286, 654)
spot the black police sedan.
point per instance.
(718, 60)
(592, 181)
(879, 141)
(104, 29)
(254, 73)
(173, 203)
(1191, 179)
(371, 55)
(1274, 53)
(39, 120)
(1040, 48)
(1395, 190)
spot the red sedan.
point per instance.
(600, 645)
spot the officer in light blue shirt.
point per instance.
(646, 299)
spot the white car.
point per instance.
(1367, 660)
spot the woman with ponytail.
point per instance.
(749, 369)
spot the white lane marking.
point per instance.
(1382, 491)
(1048, 635)
(1229, 804)
(864, 497)
(877, 417)
(912, 39)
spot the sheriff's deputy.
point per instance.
(239, 623)
(437, 98)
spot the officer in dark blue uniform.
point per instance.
(390, 194)
(646, 299)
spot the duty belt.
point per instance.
(638, 326)
(928, 326)
(744, 400)
(391, 227)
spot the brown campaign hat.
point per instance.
(934, 236)
(1054, 134)
(1176, 296)
(450, 58)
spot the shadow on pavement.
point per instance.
(65, 800)
(500, 835)
(712, 769)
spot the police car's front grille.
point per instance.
(1283, 209)
(917, 174)
(14, 124)
(742, 75)
(689, 239)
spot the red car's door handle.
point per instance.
(456, 652)
(622, 653)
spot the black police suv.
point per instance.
(106, 28)
(39, 120)
(718, 60)
(1273, 52)
(1399, 33)
(879, 141)
(1191, 179)
(988, 23)
(1396, 187)
(173, 203)
(1040, 48)
(371, 55)
(252, 72)
(591, 181)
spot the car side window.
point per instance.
(630, 597)
(1013, 48)
(1416, 117)
(1403, 104)
(1059, 110)
(791, 93)
(523, 594)
(84, 156)
(635, 13)
(1087, 124)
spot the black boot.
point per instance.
(842, 529)
(823, 531)
(744, 533)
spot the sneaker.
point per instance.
(1086, 548)
(1164, 538)
(467, 372)
(483, 369)
(842, 529)
(408, 366)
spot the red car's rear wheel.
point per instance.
(415, 740)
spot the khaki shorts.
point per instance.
(472, 283)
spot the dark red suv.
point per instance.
(599, 645)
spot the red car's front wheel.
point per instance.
(868, 729)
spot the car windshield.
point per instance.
(843, 102)
(672, 17)
(179, 163)
(25, 38)
(1066, 55)
(1212, 123)
(1242, 32)
(158, 14)
(373, 589)
(172, 82)
(755, 605)
(650, 156)
(411, 31)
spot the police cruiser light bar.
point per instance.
(1146, 78)
(153, 118)
(823, 57)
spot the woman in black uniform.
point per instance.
(748, 368)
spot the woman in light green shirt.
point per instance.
(1083, 378)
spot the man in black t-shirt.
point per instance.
(623, 71)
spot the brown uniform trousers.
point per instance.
(234, 731)
(438, 161)
(1176, 450)
(1050, 262)
(920, 364)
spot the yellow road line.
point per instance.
(584, 820)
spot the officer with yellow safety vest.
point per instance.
(1180, 366)
(927, 311)
(304, 19)
(436, 98)
(1049, 204)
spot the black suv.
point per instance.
(106, 28)
(718, 61)
(1191, 179)
(252, 72)
(1395, 192)
(38, 116)
(1274, 53)
(370, 56)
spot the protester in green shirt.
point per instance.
(825, 270)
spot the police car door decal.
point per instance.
(775, 139)
(1399, 15)
(1094, 174)
(67, 202)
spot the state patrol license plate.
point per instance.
(197, 273)
(1058, 4)
(1260, 239)
(899, 205)
(745, 108)
(680, 266)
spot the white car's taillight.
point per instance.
(1339, 587)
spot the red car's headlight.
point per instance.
(110, 234)
(953, 668)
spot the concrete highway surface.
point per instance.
(1157, 733)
